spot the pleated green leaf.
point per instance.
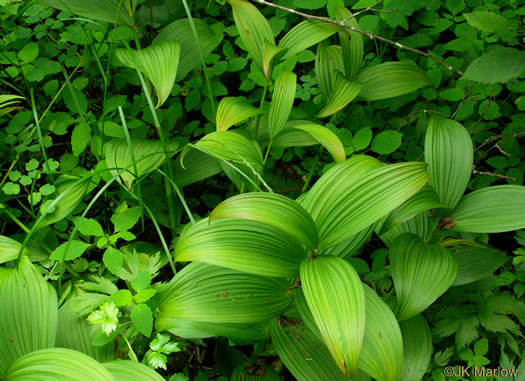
(245, 245)
(382, 352)
(449, 155)
(147, 154)
(271, 209)
(494, 209)
(9, 249)
(299, 133)
(343, 92)
(475, 263)
(181, 31)
(57, 364)
(8, 100)
(352, 245)
(336, 299)
(208, 293)
(328, 61)
(351, 43)
(76, 333)
(69, 190)
(233, 110)
(239, 333)
(233, 147)
(253, 28)
(421, 274)
(303, 353)
(390, 79)
(196, 166)
(158, 62)
(354, 195)
(127, 370)
(423, 200)
(417, 348)
(109, 10)
(420, 225)
(269, 52)
(28, 311)
(306, 34)
(282, 101)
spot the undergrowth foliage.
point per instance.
(255, 190)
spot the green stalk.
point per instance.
(40, 138)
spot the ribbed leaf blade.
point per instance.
(306, 34)
(9, 249)
(127, 370)
(245, 245)
(303, 353)
(336, 299)
(57, 364)
(449, 155)
(208, 293)
(423, 200)
(343, 92)
(148, 155)
(351, 43)
(328, 61)
(181, 31)
(305, 133)
(382, 352)
(420, 225)
(352, 245)
(196, 166)
(496, 209)
(253, 28)
(269, 52)
(475, 263)
(421, 274)
(104, 11)
(233, 110)
(271, 209)
(28, 309)
(390, 79)
(282, 101)
(360, 196)
(417, 348)
(158, 62)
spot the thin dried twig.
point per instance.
(353, 29)
(484, 173)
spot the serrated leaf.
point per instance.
(89, 227)
(141, 281)
(417, 348)
(497, 66)
(486, 21)
(233, 110)
(421, 274)
(299, 133)
(142, 318)
(305, 34)
(69, 250)
(208, 293)
(29, 313)
(282, 102)
(253, 28)
(449, 155)
(390, 79)
(242, 244)
(343, 92)
(158, 62)
(336, 299)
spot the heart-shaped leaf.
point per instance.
(343, 92)
(233, 110)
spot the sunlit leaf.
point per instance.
(282, 101)
(449, 155)
(352, 245)
(336, 299)
(269, 52)
(57, 364)
(181, 31)
(299, 133)
(390, 79)
(158, 62)
(253, 28)
(475, 263)
(127, 370)
(343, 92)
(501, 64)
(271, 209)
(110, 10)
(305, 34)
(9, 249)
(417, 348)
(328, 61)
(203, 292)
(28, 309)
(196, 166)
(494, 209)
(244, 245)
(421, 274)
(351, 43)
(233, 110)
(420, 225)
